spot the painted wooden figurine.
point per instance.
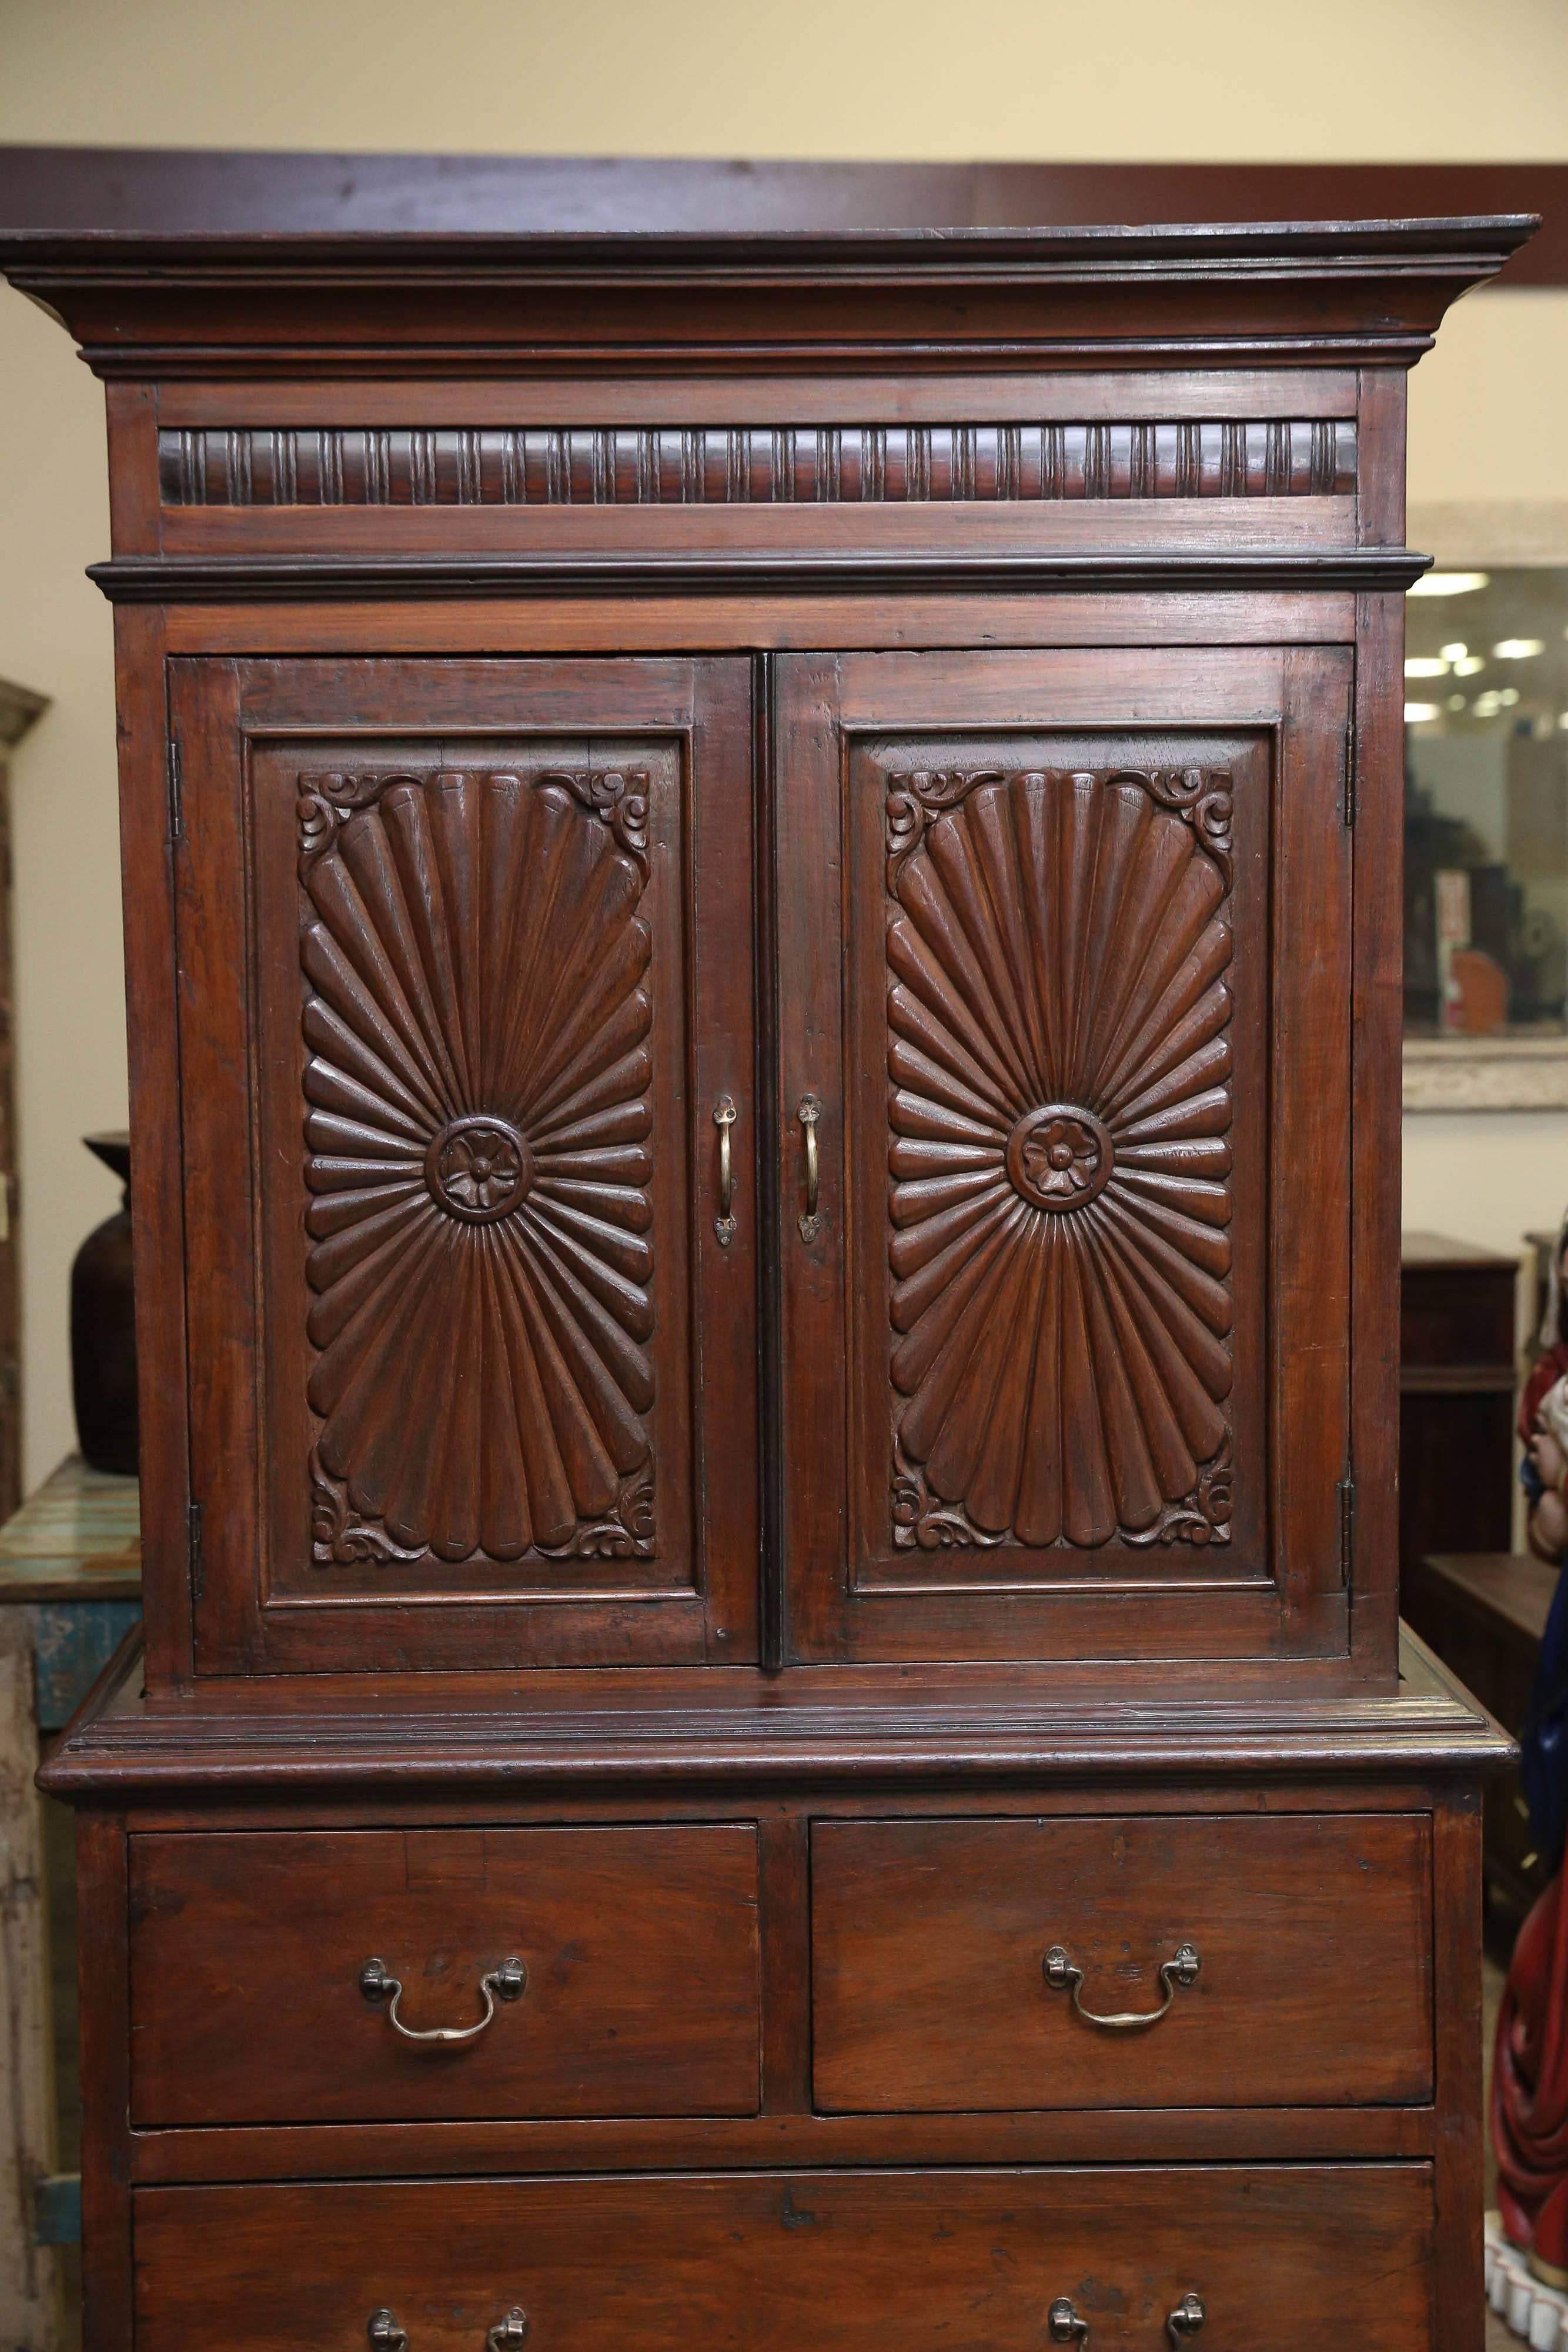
(1530, 2076)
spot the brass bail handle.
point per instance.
(809, 1112)
(509, 2334)
(378, 1984)
(1063, 1977)
(723, 1119)
(1067, 2326)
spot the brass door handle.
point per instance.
(377, 1985)
(723, 1119)
(384, 2333)
(1062, 1977)
(809, 1112)
(509, 2333)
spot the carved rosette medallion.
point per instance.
(1060, 1157)
(1060, 1065)
(478, 1169)
(478, 1125)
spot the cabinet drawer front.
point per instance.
(930, 1945)
(639, 1946)
(959, 2261)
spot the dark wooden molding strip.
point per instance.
(120, 1743)
(304, 579)
(866, 465)
(174, 191)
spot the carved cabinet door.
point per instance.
(464, 969)
(1064, 944)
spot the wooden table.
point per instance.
(70, 1575)
(1484, 1614)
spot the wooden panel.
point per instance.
(1076, 933)
(959, 2261)
(1313, 1937)
(640, 1945)
(450, 1159)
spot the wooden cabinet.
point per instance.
(762, 948)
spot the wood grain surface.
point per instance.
(928, 1941)
(640, 1948)
(964, 2262)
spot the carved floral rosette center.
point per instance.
(478, 1169)
(1059, 1056)
(478, 1123)
(1060, 1157)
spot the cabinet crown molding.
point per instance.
(414, 303)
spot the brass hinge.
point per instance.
(1350, 764)
(1346, 1529)
(176, 792)
(193, 1551)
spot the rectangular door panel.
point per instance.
(1064, 1375)
(467, 1103)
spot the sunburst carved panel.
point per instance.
(1061, 1062)
(479, 1129)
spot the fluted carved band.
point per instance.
(854, 465)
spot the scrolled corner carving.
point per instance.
(1201, 1517)
(618, 798)
(913, 800)
(1201, 797)
(339, 1537)
(626, 1530)
(325, 801)
(923, 1523)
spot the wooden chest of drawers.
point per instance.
(812, 2025)
(762, 933)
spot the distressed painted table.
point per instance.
(70, 1580)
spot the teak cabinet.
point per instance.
(762, 931)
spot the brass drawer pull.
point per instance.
(809, 1113)
(723, 1119)
(377, 1985)
(509, 2334)
(1067, 2326)
(1183, 2322)
(384, 2333)
(1062, 1977)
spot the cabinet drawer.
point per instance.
(930, 1945)
(958, 2260)
(639, 1949)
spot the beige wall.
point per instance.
(1389, 80)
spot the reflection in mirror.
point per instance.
(1486, 804)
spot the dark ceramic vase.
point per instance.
(103, 1327)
